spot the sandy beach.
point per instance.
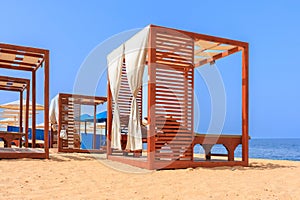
(82, 176)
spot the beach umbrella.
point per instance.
(101, 117)
(85, 117)
(42, 125)
(15, 105)
(13, 114)
(9, 121)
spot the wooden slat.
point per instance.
(207, 53)
(206, 44)
(218, 56)
(223, 47)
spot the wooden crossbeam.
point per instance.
(10, 89)
(20, 67)
(30, 51)
(14, 88)
(15, 62)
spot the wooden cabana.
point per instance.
(171, 57)
(29, 59)
(68, 122)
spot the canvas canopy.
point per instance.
(15, 105)
(53, 110)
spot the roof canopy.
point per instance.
(21, 58)
(13, 84)
(205, 48)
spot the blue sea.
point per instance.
(275, 149)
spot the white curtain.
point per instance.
(114, 62)
(53, 111)
(135, 57)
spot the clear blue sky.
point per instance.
(71, 29)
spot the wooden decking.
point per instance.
(14, 153)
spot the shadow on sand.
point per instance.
(256, 166)
(65, 157)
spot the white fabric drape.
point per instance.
(135, 57)
(53, 110)
(114, 62)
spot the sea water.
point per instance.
(275, 149)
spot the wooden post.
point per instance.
(21, 117)
(59, 140)
(33, 108)
(151, 100)
(245, 99)
(46, 102)
(27, 114)
(21, 113)
(94, 138)
(109, 119)
(193, 107)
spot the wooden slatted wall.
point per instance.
(174, 72)
(125, 98)
(69, 111)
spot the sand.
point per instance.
(81, 176)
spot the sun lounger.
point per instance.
(8, 137)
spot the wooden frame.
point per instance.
(68, 109)
(29, 59)
(172, 56)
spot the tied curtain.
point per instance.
(114, 62)
(134, 51)
(135, 57)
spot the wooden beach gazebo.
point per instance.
(65, 112)
(171, 57)
(28, 59)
